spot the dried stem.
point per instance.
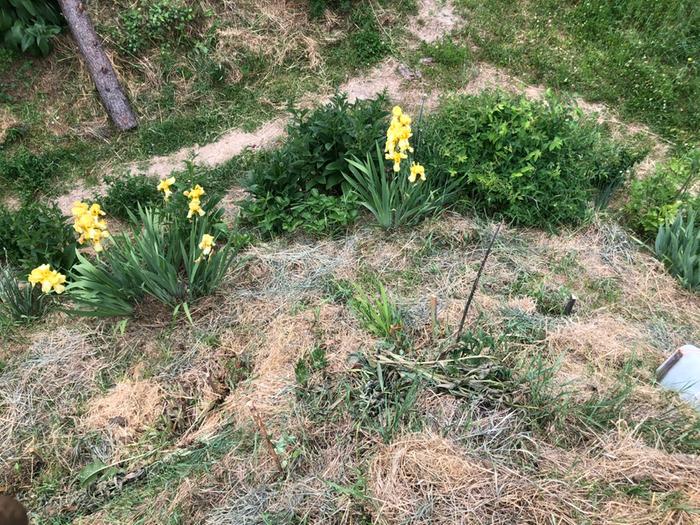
(476, 282)
(266, 437)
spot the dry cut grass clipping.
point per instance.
(424, 478)
(282, 342)
(45, 383)
(127, 410)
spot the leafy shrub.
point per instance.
(126, 194)
(299, 185)
(20, 302)
(678, 246)
(37, 234)
(154, 23)
(317, 214)
(29, 25)
(535, 163)
(657, 198)
(317, 144)
(161, 258)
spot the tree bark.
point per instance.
(100, 68)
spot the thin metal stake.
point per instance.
(476, 282)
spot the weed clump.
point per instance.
(31, 174)
(151, 23)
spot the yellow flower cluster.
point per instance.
(49, 279)
(397, 137)
(194, 196)
(89, 225)
(164, 186)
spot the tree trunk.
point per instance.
(98, 64)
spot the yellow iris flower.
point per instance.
(195, 208)
(396, 158)
(397, 137)
(164, 186)
(417, 172)
(207, 244)
(195, 193)
(49, 279)
(88, 225)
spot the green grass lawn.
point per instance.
(639, 56)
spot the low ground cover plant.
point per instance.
(535, 163)
(317, 214)
(30, 174)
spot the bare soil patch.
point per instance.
(435, 19)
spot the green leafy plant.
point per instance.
(678, 246)
(379, 315)
(19, 301)
(657, 198)
(549, 298)
(151, 23)
(300, 185)
(535, 163)
(160, 258)
(391, 197)
(29, 25)
(317, 145)
(318, 214)
(126, 194)
(29, 173)
(37, 234)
